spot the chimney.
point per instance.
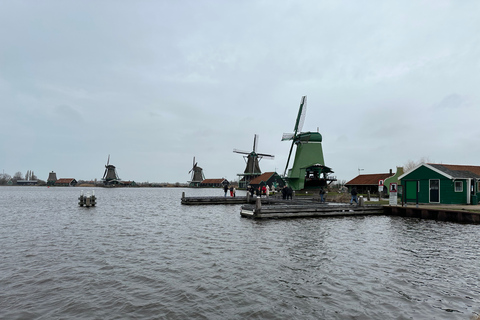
(391, 173)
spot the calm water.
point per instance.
(140, 254)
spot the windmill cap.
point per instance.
(309, 136)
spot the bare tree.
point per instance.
(412, 164)
(4, 178)
(17, 176)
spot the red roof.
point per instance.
(263, 177)
(212, 181)
(65, 180)
(368, 179)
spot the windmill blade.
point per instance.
(288, 160)
(267, 156)
(105, 174)
(108, 161)
(241, 151)
(287, 136)
(301, 115)
(255, 142)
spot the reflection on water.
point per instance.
(140, 254)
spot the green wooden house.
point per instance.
(441, 184)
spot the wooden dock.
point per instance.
(306, 210)
(225, 200)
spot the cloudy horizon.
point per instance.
(155, 83)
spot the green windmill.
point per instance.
(309, 170)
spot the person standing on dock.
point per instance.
(234, 191)
(354, 196)
(289, 193)
(322, 195)
(231, 191)
(225, 189)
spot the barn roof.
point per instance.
(213, 180)
(65, 180)
(264, 177)
(458, 171)
(368, 179)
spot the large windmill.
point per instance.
(110, 176)
(308, 169)
(197, 175)
(252, 159)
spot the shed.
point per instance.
(212, 183)
(27, 182)
(268, 178)
(441, 184)
(65, 182)
(367, 182)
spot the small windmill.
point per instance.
(252, 159)
(197, 175)
(308, 170)
(110, 176)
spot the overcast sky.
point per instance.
(155, 83)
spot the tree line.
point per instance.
(6, 179)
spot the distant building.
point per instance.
(368, 182)
(268, 178)
(27, 182)
(66, 182)
(128, 183)
(52, 178)
(441, 183)
(213, 183)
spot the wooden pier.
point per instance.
(224, 200)
(306, 210)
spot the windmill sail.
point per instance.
(308, 170)
(302, 111)
(252, 158)
(197, 174)
(110, 175)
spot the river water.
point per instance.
(140, 254)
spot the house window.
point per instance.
(458, 186)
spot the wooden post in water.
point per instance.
(368, 195)
(258, 206)
(183, 195)
(361, 203)
(248, 197)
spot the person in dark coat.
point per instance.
(354, 195)
(289, 193)
(225, 189)
(322, 195)
(284, 192)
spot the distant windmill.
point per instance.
(252, 159)
(308, 170)
(110, 176)
(197, 175)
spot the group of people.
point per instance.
(260, 191)
(232, 190)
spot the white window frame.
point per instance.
(461, 186)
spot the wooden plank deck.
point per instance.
(225, 200)
(306, 210)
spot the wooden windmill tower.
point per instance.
(52, 178)
(308, 170)
(110, 176)
(197, 175)
(252, 159)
